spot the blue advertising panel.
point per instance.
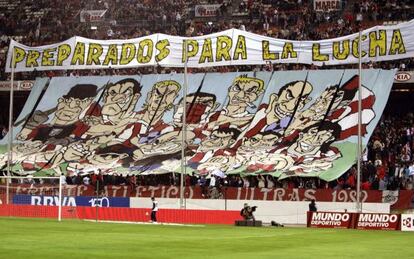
(87, 201)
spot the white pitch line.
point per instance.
(144, 223)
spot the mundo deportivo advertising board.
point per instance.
(287, 123)
(366, 221)
(329, 220)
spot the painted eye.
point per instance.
(112, 93)
(250, 90)
(289, 95)
(127, 91)
(236, 87)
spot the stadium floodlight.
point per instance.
(30, 196)
(94, 27)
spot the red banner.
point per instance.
(397, 199)
(378, 221)
(329, 220)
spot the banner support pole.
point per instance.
(10, 131)
(184, 127)
(60, 199)
(359, 149)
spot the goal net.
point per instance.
(33, 197)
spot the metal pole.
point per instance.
(60, 199)
(359, 126)
(184, 129)
(96, 201)
(225, 198)
(10, 132)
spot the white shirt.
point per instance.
(155, 205)
(86, 180)
(63, 179)
(213, 181)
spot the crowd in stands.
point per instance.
(43, 22)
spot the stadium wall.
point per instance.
(196, 212)
(187, 216)
(286, 212)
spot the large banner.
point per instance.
(401, 199)
(230, 47)
(296, 123)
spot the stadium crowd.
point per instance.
(43, 22)
(388, 163)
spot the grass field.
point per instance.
(41, 238)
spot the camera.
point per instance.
(247, 212)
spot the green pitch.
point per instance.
(40, 238)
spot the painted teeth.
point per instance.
(304, 146)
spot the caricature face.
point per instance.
(69, 109)
(105, 159)
(290, 97)
(199, 111)
(118, 98)
(259, 141)
(165, 144)
(76, 151)
(217, 140)
(28, 146)
(161, 97)
(161, 148)
(221, 163)
(280, 162)
(318, 109)
(310, 142)
(242, 92)
(322, 103)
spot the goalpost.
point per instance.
(31, 196)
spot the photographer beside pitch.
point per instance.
(312, 206)
(247, 212)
